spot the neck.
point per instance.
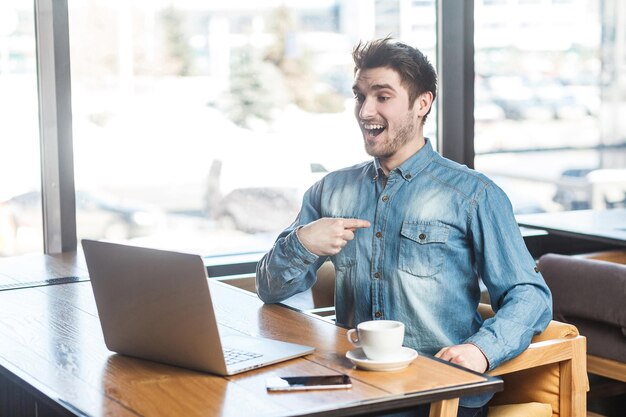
(391, 162)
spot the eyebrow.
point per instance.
(355, 88)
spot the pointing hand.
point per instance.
(327, 236)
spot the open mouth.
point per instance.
(374, 129)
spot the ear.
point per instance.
(423, 102)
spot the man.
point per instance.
(411, 233)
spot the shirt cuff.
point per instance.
(296, 250)
(489, 346)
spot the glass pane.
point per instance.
(549, 95)
(199, 125)
(20, 199)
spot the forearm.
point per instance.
(525, 311)
(287, 269)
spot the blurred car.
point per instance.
(525, 109)
(255, 210)
(98, 216)
(586, 188)
(258, 196)
(7, 229)
(560, 98)
(519, 192)
(523, 99)
(488, 111)
(102, 216)
(485, 110)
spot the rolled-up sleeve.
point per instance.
(289, 268)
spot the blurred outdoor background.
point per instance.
(198, 125)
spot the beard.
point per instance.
(395, 140)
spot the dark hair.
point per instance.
(417, 74)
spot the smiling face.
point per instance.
(392, 128)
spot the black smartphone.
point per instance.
(302, 383)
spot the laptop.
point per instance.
(156, 305)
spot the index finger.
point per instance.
(353, 224)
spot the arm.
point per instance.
(519, 295)
(290, 266)
(287, 269)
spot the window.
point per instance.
(547, 103)
(199, 126)
(20, 200)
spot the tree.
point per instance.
(296, 67)
(178, 48)
(257, 89)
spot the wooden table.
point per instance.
(53, 358)
(604, 226)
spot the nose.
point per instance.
(367, 109)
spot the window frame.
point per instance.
(455, 22)
(55, 126)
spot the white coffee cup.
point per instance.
(381, 340)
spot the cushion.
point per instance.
(521, 410)
(590, 294)
(533, 385)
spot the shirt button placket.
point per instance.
(377, 307)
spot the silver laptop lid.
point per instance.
(155, 305)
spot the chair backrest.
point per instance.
(590, 294)
(589, 291)
(323, 290)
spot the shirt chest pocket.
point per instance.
(422, 248)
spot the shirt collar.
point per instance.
(412, 166)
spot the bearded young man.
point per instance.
(411, 233)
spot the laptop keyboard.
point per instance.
(232, 355)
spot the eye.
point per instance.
(359, 97)
(382, 99)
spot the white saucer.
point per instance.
(406, 356)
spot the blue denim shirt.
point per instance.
(436, 228)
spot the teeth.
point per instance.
(370, 127)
